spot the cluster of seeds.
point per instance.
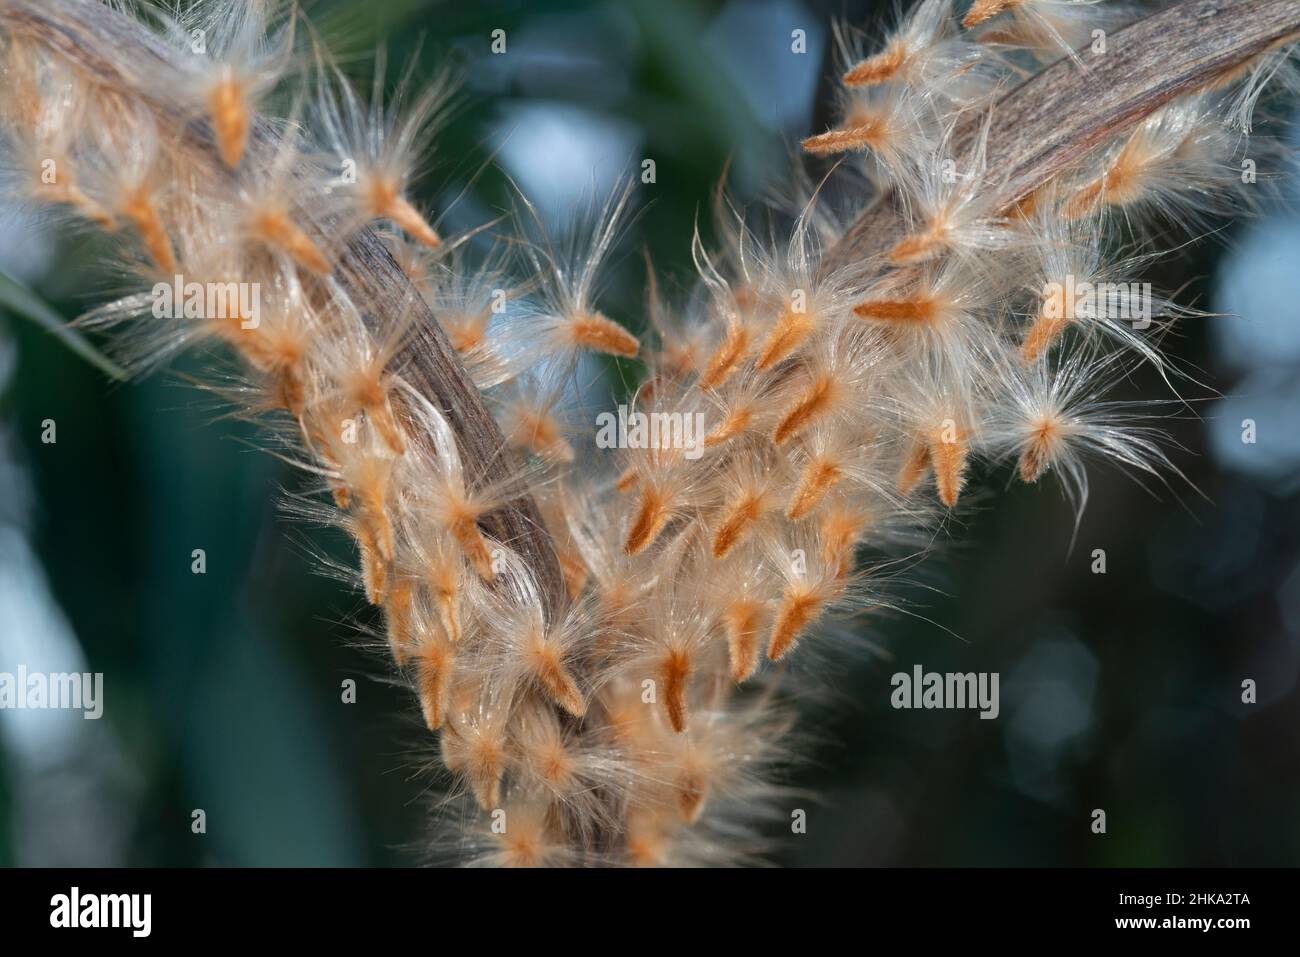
(847, 401)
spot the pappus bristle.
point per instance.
(806, 586)
(726, 356)
(1171, 162)
(750, 492)
(531, 421)
(740, 594)
(657, 497)
(398, 614)
(358, 373)
(947, 206)
(663, 485)
(949, 453)
(833, 384)
(545, 656)
(435, 660)
(797, 300)
(234, 55)
(529, 838)
(1243, 86)
(559, 511)
(1074, 286)
(674, 672)
(367, 477)
(647, 843)
(441, 493)
(793, 325)
(134, 188)
(1056, 415)
(825, 459)
(1049, 28)
(569, 319)
(275, 227)
(484, 311)
(916, 465)
(680, 347)
(276, 342)
(378, 145)
(882, 121)
(800, 604)
(925, 52)
(741, 407)
(982, 10)
(841, 526)
(476, 744)
(54, 172)
(818, 397)
(666, 649)
(432, 567)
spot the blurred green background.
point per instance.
(224, 691)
